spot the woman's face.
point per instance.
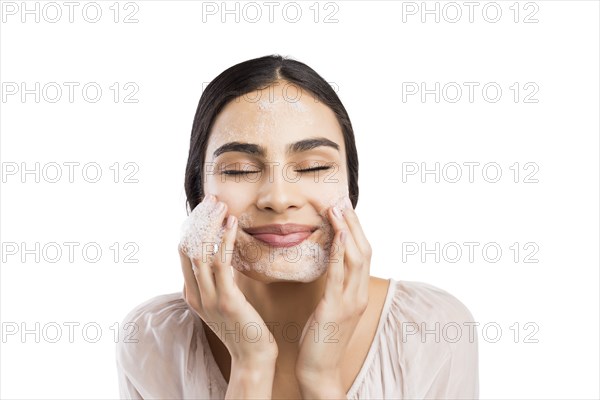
(277, 125)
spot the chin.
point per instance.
(301, 263)
(288, 273)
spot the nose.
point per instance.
(280, 192)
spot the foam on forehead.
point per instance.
(263, 113)
(295, 104)
(289, 93)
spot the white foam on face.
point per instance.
(304, 262)
(284, 94)
(297, 105)
(200, 231)
(266, 118)
(267, 102)
(264, 105)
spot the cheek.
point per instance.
(334, 196)
(213, 184)
(228, 191)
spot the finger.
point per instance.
(356, 230)
(353, 257)
(203, 274)
(335, 271)
(361, 242)
(206, 265)
(191, 291)
(222, 260)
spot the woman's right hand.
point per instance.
(212, 293)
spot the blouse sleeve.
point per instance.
(424, 349)
(463, 382)
(126, 388)
(159, 355)
(463, 377)
(458, 376)
(439, 347)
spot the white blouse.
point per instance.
(425, 346)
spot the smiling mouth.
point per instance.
(289, 240)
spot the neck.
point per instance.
(283, 306)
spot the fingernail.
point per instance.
(343, 236)
(336, 212)
(230, 221)
(220, 206)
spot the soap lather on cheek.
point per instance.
(307, 262)
(338, 200)
(200, 231)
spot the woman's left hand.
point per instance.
(328, 330)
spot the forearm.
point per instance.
(250, 381)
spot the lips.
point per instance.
(278, 235)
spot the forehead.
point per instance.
(274, 117)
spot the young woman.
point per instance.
(281, 303)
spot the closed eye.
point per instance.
(234, 172)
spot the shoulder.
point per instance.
(428, 314)
(158, 310)
(434, 327)
(424, 301)
(155, 337)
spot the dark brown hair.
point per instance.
(247, 77)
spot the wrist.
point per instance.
(253, 370)
(250, 380)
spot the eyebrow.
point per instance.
(260, 151)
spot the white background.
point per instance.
(369, 55)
